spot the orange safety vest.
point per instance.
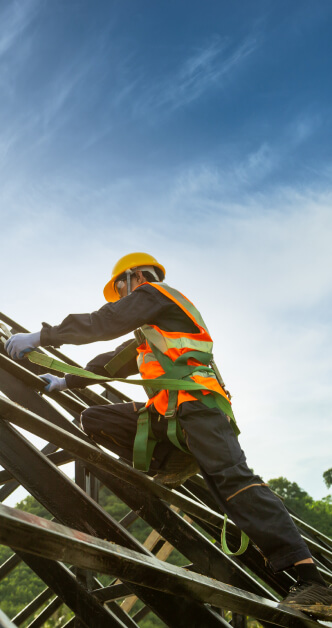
(160, 346)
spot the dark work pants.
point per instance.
(211, 440)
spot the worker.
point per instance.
(177, 432)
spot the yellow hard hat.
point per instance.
(128, 262)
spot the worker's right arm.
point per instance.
(111, 321)
(145, 305)
(97, 366)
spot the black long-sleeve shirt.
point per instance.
(145, 305)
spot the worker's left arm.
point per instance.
(95, 366)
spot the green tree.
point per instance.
(318, 513)
(327, 475)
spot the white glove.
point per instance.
(54, 382)
(19, 344)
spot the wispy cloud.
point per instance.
(30, 126)
(256, 165)
(302, 128)
(235, 174)
(202, 71)
(15, 18)
(63, 94)
(214, 185)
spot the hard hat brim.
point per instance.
(110, 293)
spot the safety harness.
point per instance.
(178, 373)
(176, 378)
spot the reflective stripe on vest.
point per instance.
(172, 345)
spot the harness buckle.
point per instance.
(171, 413)
(172, 407)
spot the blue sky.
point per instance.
(199, 132)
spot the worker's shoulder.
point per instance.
(150, 289)
(159, 291)
(160, 294)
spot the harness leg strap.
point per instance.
(145, 442)
(174, 432)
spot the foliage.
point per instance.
(112, 504)
(22, 585)
(317, 513)
(151, 621)
(327, 475)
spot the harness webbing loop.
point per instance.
(174, 434)
(243, 546)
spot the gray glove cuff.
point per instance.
(35, 339)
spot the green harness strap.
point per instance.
(156, 384)
(122, 358)
(243, 546)
(145, 441)
(174, 432)
(56, 365)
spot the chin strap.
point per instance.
(130, 272)
(128, 275)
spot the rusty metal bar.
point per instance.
(29, 533)
(64, 584)
(58, 458)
